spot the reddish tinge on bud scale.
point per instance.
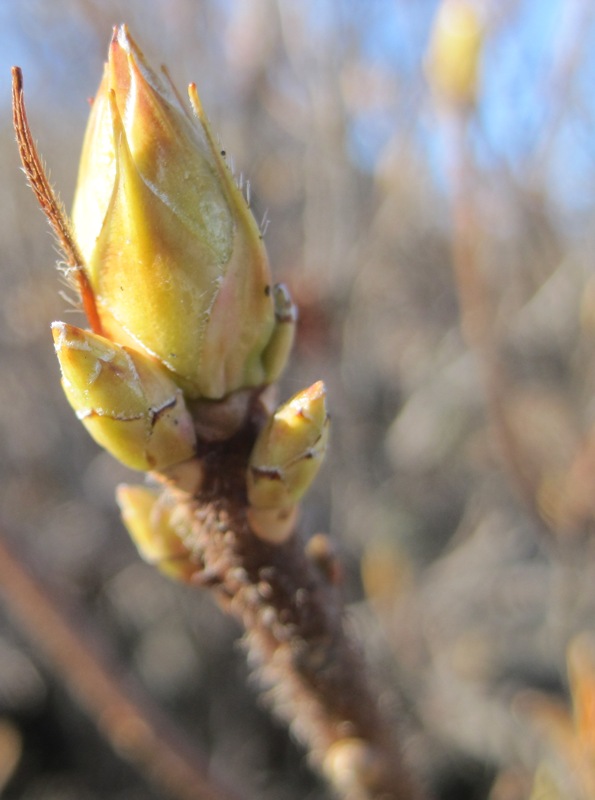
(173, 254)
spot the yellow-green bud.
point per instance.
(455, 50)
(154, 533)
(289, 450)
(173, 254)
(126, 400)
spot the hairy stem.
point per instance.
(290, 608)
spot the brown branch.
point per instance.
(290, 608)
(47, 199)
(135, 728)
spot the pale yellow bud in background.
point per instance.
(454, 52)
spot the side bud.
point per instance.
(126, 400)
(289, 451)
(154, 532)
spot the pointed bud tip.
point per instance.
(308, 404)
(57, 328)
(315, 392)
(58, 334)
(197, 106)
(68, 336)
(121, 36)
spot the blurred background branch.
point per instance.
(123, 713)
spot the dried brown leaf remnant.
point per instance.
(48, 201)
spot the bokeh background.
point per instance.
(440, 247)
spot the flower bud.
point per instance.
(455, 50)
(173, 254)
(126, 400)
(153, 531)
(289, 450)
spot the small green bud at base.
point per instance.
(289, 450)
(126, 400)
(153, 531)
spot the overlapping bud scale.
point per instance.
(126, 400)
(173, 254)
(289, 450)
(155, 531)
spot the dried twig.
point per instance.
(49, 202)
